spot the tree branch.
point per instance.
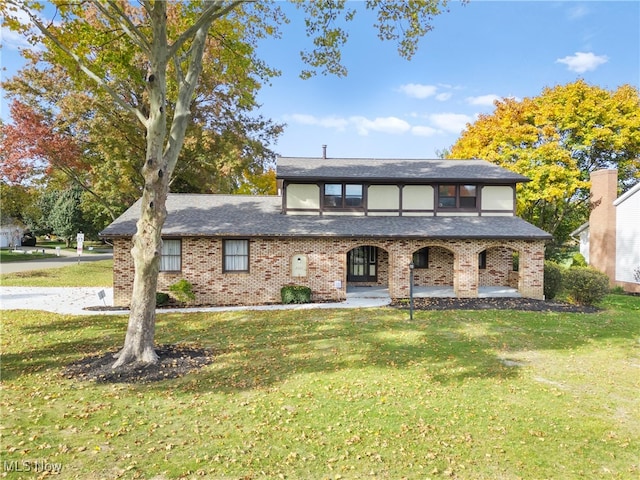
(125, 23)
(81, 64)
(214, 11)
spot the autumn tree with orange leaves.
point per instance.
(557, 139)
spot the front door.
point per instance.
(362, 264)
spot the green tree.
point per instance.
(557, 139)
(177, 50)
(65, 216)
(223, 138)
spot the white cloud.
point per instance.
(483, 100)
(450, 122)
(443, 97)
(423, 131)
(436, 124)
(416, 90)
(577, 12)
(327, 122)
(582, 62)
(392, 125)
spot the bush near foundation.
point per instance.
(162, 299)
(182, 290)
(295, 294)
(552, 279)
(585, 285)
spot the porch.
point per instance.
(431, 291)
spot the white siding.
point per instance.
(383, 197)
(303, 196)
(628, 235)
(417, 197)
(497, 198)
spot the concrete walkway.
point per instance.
(75, 301)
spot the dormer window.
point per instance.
(342, 195)
(457, 196)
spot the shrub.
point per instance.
(585, 285)
(552, 279)
(578, 260)
(295, 294)
(161, 299)
(618, 290)
(182, 290)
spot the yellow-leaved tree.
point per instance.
(557, 139)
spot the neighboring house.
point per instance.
(11, 232)
(343, 222)
(610, 241)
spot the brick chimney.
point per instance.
(602, 222)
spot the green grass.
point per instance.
(350, 394)
(83, 274)
(11, 256)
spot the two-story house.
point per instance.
(342, 222)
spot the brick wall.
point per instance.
(451, 262)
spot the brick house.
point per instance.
(338, 223)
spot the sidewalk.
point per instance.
(75, 301)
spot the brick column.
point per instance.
(531, 266)
(465, 272)
(399, 273)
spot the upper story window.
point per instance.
(342, 195)
(457, 196)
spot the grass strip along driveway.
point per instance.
(335, 394)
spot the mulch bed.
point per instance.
(175, 361)
(497, 303)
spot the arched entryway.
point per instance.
(367, 265)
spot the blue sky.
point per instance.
(390, 107)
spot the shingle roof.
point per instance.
(408, 170)
(249, 216)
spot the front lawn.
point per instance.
(82, 274)
(313, 394)
(24, 254)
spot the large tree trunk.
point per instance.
(162, 155)
(147, 242)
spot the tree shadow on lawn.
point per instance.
(249, 350)
(259, 351)
(55, 341)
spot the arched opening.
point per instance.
(367, 265)
(498, 273)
